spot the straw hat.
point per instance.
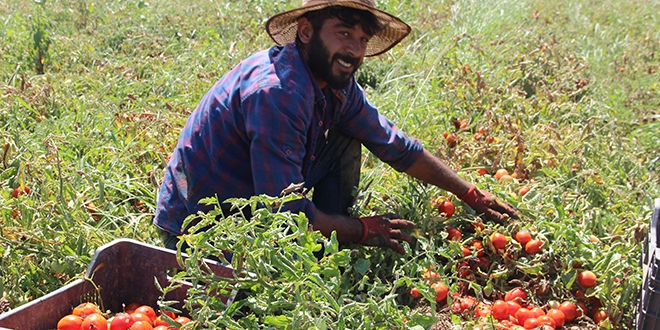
(283, 27)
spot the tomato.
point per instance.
(547, 320)
(477, 225)
(513, 307)
(533, 246)
(141, 325)
(430, 275)
(523, 314)
(148, 311)
(121, 321)
(184, 320)
(522, 236)
(587, 279)
(20, 190)
(581, 309)
(483, 310)
(569, 309)
(599, 315)
(130, 308)
(514, 293)
(466, 251)
(441, 291)
(500, 173)
(160, 320)
(478, 247)
(499, 241)
(162, 327)
(557, 316)
(482, 171)
(506, 177)
(490, 139)
(532, 323)
(454, 234)
(500, 310)
(137, 316)
(446, 208)
(70, 322)
(85, 309)
(414, 292)
(451, 140)
(523, 190)
(94, 321)
(538, 311)
(484, 263)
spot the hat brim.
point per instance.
(283, 27)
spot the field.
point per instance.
(564, 95)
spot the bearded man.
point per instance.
(294, 114)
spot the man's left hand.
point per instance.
(485, 203)
(385, 231)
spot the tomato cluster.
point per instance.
(518, 308)
(88, 316)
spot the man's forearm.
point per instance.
(348, 229)
(430, 169)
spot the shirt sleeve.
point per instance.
(361, 119)
(276, 123)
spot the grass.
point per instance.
(573, 82)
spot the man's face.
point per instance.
(336, 52)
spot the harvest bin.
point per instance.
(648, 308)
(124, 270)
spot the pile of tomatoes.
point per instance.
(88, 316)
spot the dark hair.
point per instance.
(351, 16)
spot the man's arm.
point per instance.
(430, 169)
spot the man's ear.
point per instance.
(305, 30)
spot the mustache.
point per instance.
(347, 58)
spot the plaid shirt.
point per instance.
(255, 133)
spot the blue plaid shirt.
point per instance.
(255, 133)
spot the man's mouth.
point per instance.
(344, 63)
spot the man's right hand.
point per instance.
(385, 231)
(485, 203)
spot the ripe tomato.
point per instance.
(490, 139)
(85, 309)
(532, 323)
(137, 316)
(499, 241)
(557, 316)
(533, 246)
(483, 310)
(430, 275)
(500, 310)
(70, 322)
(414, 292)
(94, 321)
(513, 307)
(547, 320)
(538, 311)
(130, 308)
(500, 173)
(478, 247)
(569, 309)
(482, 171)
(587, 279)
(446, 208)
(148, 311)
(466, 251)
(451, 140)
(20, 190)
(121, 321)
(523, 191)
(162, 327)
(182, 320)
(441, 291)
(506, 177)
(141, 325)
(454, 234)
(477, 225)
(522, 236)
(523, 314)
(599, 315)
(514, 294)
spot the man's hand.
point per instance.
(485, 203)
(385, 231)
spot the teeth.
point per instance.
(344, 64)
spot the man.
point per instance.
(295, 114)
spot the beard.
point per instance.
(320, 63)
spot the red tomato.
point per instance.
(70, 322)
(557, 316)
(500, 173)
(141, 325)
(466, 251)
(523, 314)
(499, 241)
(446, 208)
(482, 171)
(148, 311)
(121, 321)
(547, 320)
(94, 321)
(533, 246)
(483, 310)
(162, 327)
(587, 279)
(532, 323)
(441, 291)
(599, 315)
(478, 247)
(569, 309)
(182, 320)
(130, 308)
(85, 309)
(137, 316)
(523, 236)
(538, 311)
(500, 310)
(20, 190)
(513, 307)
(523, 191)
(515, 293)
(477, 225)
(414, 292)
(454, 234)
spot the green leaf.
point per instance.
(280, 321)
